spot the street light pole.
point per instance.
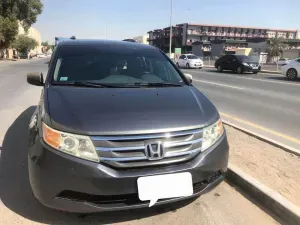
(170, 50)
(105, 30)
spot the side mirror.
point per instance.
(189, 77)
(36, 79)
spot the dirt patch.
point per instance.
(270, 165)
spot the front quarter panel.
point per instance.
(35, 126)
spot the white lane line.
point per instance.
(246, 78)
(218, 84)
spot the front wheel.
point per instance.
(177, 65)
(219, 68)
(200, 68)
(255, 72)
(292, 74)
(188, 66)
(239, 70)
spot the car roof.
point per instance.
(108, 43)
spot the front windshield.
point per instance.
(192, 57)
(114, 65)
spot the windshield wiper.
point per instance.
(156, 84)
(92, 84)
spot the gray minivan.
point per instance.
(119, 126)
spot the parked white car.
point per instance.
(189, 61)
(292, 69)
(41, 56)
(283, 61)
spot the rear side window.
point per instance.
(113, 64)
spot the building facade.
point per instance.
(187, 35)
(141, 39)
(35, 34)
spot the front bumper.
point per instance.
(251, 69)
(196, 65)
(71, 184)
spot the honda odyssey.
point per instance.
(119, 126)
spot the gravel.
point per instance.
(270, 165)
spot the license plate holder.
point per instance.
(164, 186)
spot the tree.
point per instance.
(24, 43)
(8, 31)
(14, 11)
(275, 47)
(24, 11)
(45, 44)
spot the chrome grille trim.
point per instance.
(120, 149)
(166, 145)
(145, 136)
(168, 155)
(128, 151)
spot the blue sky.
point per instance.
(129, 18)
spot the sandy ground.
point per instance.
(272, 166)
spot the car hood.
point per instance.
(109, 111)
(251, 62)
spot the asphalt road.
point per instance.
(225, 205)
(267, 104)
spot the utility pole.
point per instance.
(170, 50)
(105, 30)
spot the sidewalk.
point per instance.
(272, 166)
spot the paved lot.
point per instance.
(265, 103)
(224, 205)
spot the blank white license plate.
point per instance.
(164, 186)
(255, 68)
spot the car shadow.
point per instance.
(282, 78)
(16, 194)
(212, 70)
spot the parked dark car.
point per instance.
(21, 56)
(237, 63)
(114, 115)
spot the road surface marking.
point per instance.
(223, 85)
(261, 128)
(247, 78)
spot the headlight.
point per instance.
(72, 144)
(245, 64)
(212, 134)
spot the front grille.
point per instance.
(128, 151)
(126, 199)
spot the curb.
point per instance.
(265, 139)
(268, 198)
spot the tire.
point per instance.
(200, 68)
(255, 72)
(239, 70)
(177, 65)
(292, 74)
(188, 66)
(219, 68)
